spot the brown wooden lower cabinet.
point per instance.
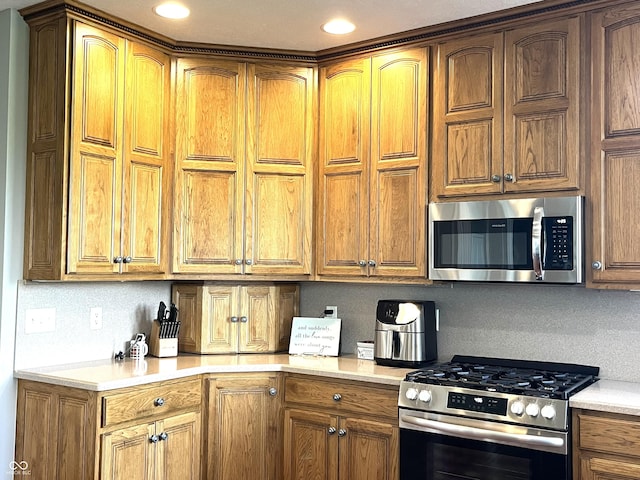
(335, 430)
(606, 446)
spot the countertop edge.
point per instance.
(612, 396)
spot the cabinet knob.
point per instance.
(238, 261)
(244, 319)
(127, 259)
(158, 402)
(154, 439)
(234, 319)
(508, 177)
(342, 432)
(372, 263)
(164, 436)
(273, 391)
(495, 178)
(248, 261)
(117, 260)
(337, 397)
(597, 265)
(362, 263)
(331, 430)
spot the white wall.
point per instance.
(14, 38)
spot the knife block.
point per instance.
(161, 347)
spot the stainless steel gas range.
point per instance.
(489, 419)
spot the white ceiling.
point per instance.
(290, 24)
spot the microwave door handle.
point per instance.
(536, 242)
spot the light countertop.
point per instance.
(104, 375)
(609, 396)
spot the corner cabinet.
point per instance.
(245, 144)
(606, 446)
(340, 430)
(372, 166)
(615, 149)
(231, 318)
(98, 179)
(507, 112)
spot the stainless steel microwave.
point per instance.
(515, 240)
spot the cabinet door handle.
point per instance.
(508, 177)
(495, 178)
(372, 263)
(331, 430)
(164, 436)
(342, 432)
(362, 263)
(244, 319)
(127, 259)
(273, 391)
(154, 439)
(158, 402)
(337, 397)
(238, 261)
(234, 319)
(597, 265)
(248, 261)
(117, 260)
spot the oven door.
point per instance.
(442, 447)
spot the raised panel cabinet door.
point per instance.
(596, 468)
(179, 448)
(146, 162)
(467, 117)
(257, 327)
(243, 428)
(615, 149)
(310, 445)
(369, 450)
(288, 306)
(398, 192)
(209, 177)
(280, 159)
(220, 319)
(542, 95)
(95, 173)
(129, 453)
(342, 246)
(188, 300)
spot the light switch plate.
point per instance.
(38, 320)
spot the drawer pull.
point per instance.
(164, 436)
(273, 391)
(158, 402)
(342, 432)
(331, 430)
(154, 439)
(337, 397)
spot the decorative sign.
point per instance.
(315, 336)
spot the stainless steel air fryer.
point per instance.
(405, 333)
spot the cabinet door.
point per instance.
(467, 117)
(343, 184)
(129, 453)
(220, 319)
(209, 180)
(246, 449)
(146, 162)
(542, 134)
(95, 174)
(280, 154)
(398, 195)
(596, 468)
(257, 315)
(310, 445)
(615, 156)
(369, 450)
(179, 448)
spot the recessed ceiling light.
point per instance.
(338, 26)
(172, 10)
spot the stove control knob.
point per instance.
(411, 393)
(425, 396)
(548, 412)
(532, 410)
(517, 408)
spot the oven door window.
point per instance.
(503, 244)
(427, 456)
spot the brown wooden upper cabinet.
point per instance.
(244, 157)
(507, 112)
(372, 166)
(98, 183)
(615, 149)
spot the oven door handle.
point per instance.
(475, 433)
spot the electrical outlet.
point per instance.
(331, 312)
(95, 318)
(39, 320)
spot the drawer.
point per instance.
(610, 435)
(342, 397)
(149, 401)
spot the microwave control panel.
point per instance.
(559, 242)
